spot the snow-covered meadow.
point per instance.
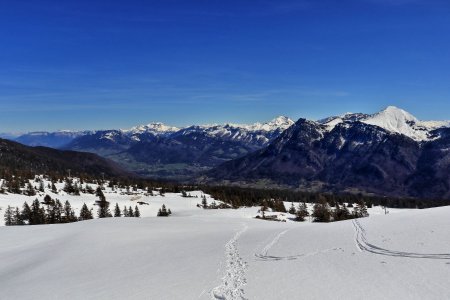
(224, 254)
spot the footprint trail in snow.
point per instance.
(234, 279)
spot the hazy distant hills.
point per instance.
(49, 139)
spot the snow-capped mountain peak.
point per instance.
(397, 120)
(392, 119)
(155, 128)
(281, 122)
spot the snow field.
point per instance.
(225, 254)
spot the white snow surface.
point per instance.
(225, 254)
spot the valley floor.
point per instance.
(225, 254)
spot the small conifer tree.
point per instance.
(117, 212)
(9, 216)
(85, 213)
(137, 213)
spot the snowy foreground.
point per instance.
(225, 254)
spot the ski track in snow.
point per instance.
(364, 245)
(234, 279)
(263, 255)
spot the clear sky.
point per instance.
(90, 64)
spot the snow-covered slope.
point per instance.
(225, 254)
(331, 122)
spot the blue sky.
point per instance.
(114, 64)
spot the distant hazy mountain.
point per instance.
(49, 139)
(389, 153)
(9, 136)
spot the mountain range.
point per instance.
(388, 153)
(163, 151)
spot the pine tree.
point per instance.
(163, 211)
(103, 205)
(26, 212)
(50, 212)
(30, 191)
(322, 212)
(58, 210)
(360, 211)
(37, 214)
(137, 213)
(69, 214)
(9, 216)
(76, 190)
(125, 212)
(68, 187)
(54, 189)
(99, 193)
(14, 187)
(302, 212)
(41, 186)
(204, 202)
(85, 213)
(341, 213)
(130, 212)
(363, 210)
(17, 219)
(117, 212)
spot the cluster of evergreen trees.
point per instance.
(301, 212)
(18, 183)
(50, 211)
(324, 213)
(241, 196)
(164, 212)
(213, 204)
(126, 212)
(103, 207)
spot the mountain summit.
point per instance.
(395, 120)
